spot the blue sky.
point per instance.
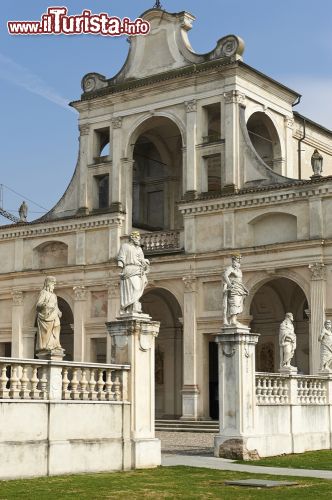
(290, 41)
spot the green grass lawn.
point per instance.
(320, 460)
(160, 483)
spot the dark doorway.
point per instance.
(213, 380)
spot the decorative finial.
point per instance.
(157, 5)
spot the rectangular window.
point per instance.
(102, 191)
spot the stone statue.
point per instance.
(287, 342)
(133, 276)
(325, 339)
(23, 212)
(234, 292)
(48, 317)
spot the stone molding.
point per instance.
(80, 292)
(318, 271)
(117, 122)
(63, 227)
(247, 200)
(191, 106)
(17, 298)
(235, 97)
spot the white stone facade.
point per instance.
(198, 152)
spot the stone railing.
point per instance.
(278, 389)
(161, 241)
(271, 389)
(45, 380)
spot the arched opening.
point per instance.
(66, 332)
(265, 139)
(157, 175)
(163, 307)
(268, 308)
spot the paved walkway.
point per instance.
(196, 450)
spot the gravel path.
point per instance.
(186, 443)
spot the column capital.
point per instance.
(318, 271)
(113, 289)
(189, 283)
(289, 122)
(17, 296)
(116, 122)
(191, 106)
(84, 129)
(80, 292)
(235, 97)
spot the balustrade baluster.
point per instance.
(14, 388)
(92, 386)
(117, 390)
(75, 394)
(34, 391)
(84, 385)
(4, 392)
(100, 385)
(108, 386)
(65, 384)
(25, 392)
(43, 383)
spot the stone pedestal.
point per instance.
(133, 342)
(236, 355)
(54, 379)
(288, 370)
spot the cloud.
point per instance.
(316, 102)
(22, 77)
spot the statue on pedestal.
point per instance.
(48, 318)
(234, 291)
(325, 339)
(23, 212)
(287, 342)
(134, 274)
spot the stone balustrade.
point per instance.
(280, 389)
(161, 241)
(271, 389)
(30, 380)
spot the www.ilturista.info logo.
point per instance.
(56, 21)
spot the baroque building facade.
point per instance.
(206, 157)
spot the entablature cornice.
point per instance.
(255, 199)
(59, 227)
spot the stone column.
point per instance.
(190, 165)
(317, 312)
(133, 342)
(83, 168)
(80, 294)
(29, 335)
(115, 181)
(288, 165)
(113, 310)
(190, 389)
(233, 100)
(236, 358)
(17, 324)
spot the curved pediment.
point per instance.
(165, 48)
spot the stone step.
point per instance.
(187, 425)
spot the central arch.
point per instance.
(163, 306)
(157, 174)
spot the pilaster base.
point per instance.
(116, 206)
(189, 402)
(146, 453)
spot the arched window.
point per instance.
(265, 139)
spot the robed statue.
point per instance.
(234, 292)
(48, 317)
(287, 341)
(133, 277)
(325, 339)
